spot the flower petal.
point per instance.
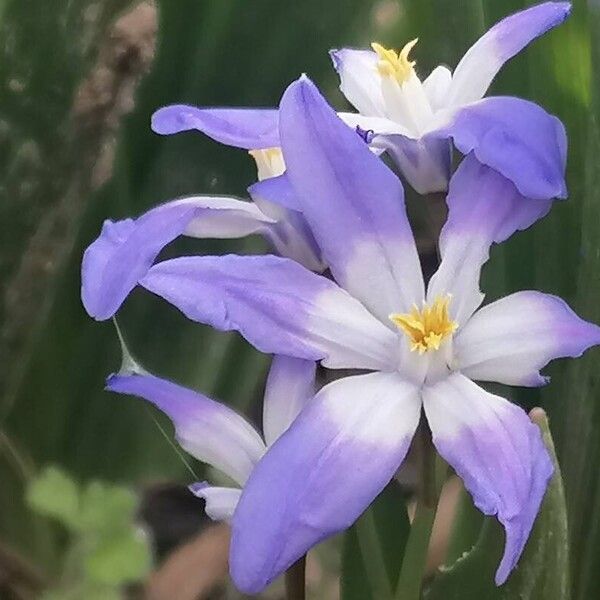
(225, 218)
(478, 67)
(372, 125)
(510, 340)
(497, 451)
(517, 138)
(321, 473)
(277, 190)
(424, 162)
(122, 254)
(360, 81)
(436, 87)
(221, 502)
(249, 128)
(353, 203)
(290, 385)
(483, 208)
(278, 306)
(209, 431)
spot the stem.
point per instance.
(295, 580)
(417, 545)
(372, 556)
(415, 554)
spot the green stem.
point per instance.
(372, 555)
(295, 580)
(415, 554)
(417, 545)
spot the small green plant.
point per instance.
(106, 550)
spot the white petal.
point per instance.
(376, 125)
(510, 340)
(224, 217)
(220, 501)
(436, 87)
(360, 80)
(290, 385)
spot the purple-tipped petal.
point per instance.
(221, 502)
(360, 80)
(322, 473)
(278, 306)
(249, 128)
(209, 431)
(517, 138)
(510, 340)
(290, 385)
(353, 203)
(498, 453)
(483, 207)
(122, 254)
(475, 72)
(124, 251)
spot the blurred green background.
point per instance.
(79, 80)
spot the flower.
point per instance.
(424, 346)
(413, 121)
(124, 251)
(215, 434)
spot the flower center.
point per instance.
(269, 162)
(395, 64)
(427, 328)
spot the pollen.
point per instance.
(395, 64)
(428, 327)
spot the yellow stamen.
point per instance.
(427, 328)
(397, 65)
(269, 162)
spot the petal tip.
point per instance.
(197, 488)
(334, 54)
(171, 119)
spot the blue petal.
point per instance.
(515, 137)
(278, 190)
(250, 128)
(321, 473)
(208, 430)
(498, 453)
(122, 254)
(483, 207)
(352, 202)
(278, 306)
(475, 72)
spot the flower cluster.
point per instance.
(344, 287)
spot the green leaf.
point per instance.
(54, 494)
(373, 548)
(106, 508)
(542, 572)
(119, 559)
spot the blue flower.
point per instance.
(414, 121)
(424, 345)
